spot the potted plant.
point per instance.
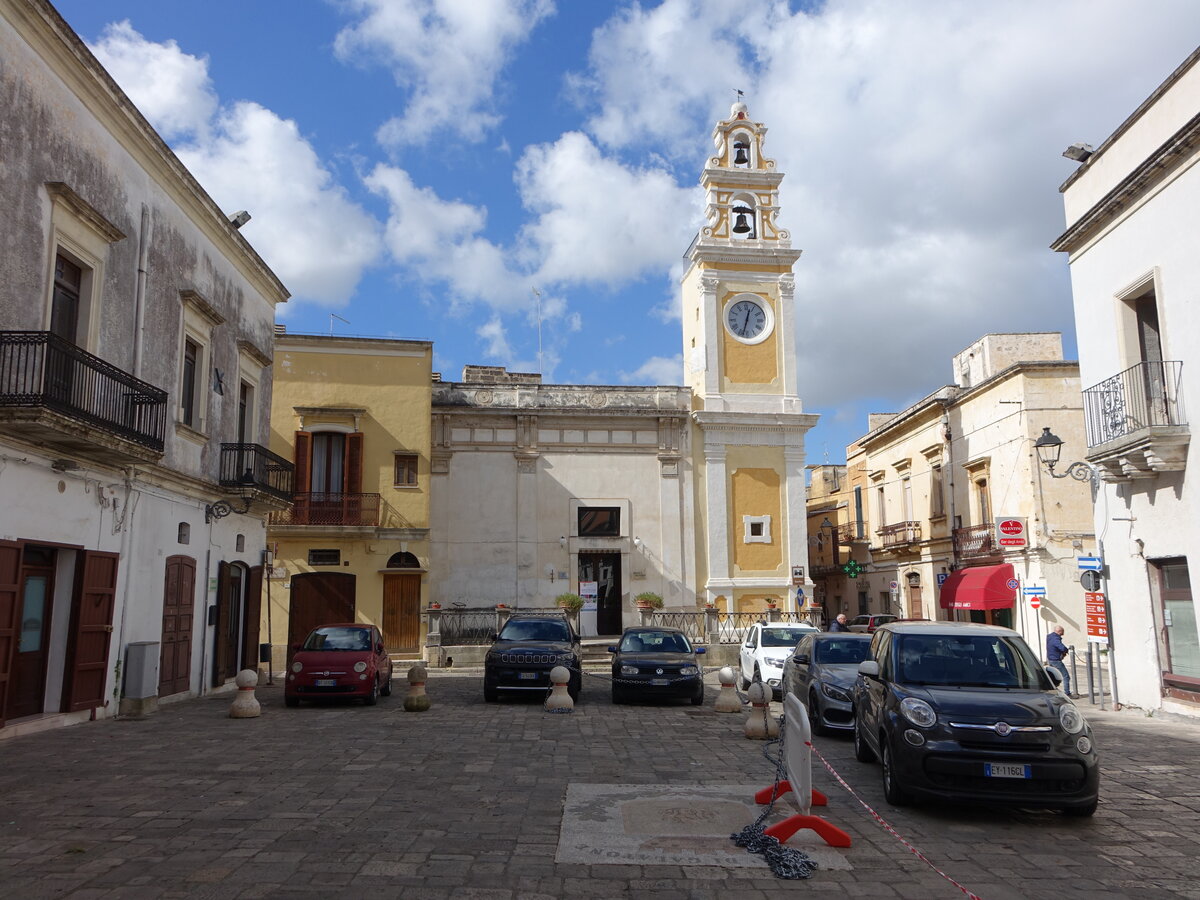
(648, 600)
(435, 605)
(572, 603)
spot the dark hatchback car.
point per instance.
(821, 673)
(966, 712)
(339, 661)
(525, 651)
(656, 664)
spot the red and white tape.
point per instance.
(888, 828)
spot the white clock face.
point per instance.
(746, 319)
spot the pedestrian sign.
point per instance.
(1090, 562)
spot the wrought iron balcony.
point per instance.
(255, 468)
(1136, 422)
(975, 541)
(63, 396)
(325, 509)
(892, 537)
(852, 532)
(825, 571)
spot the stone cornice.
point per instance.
(560, 399)
(64, 194)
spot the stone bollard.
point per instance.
(245, 705)
(416, 700)
(760, 724)
(559, 700)
(727, 701)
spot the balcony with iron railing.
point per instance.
(975, 542)
(1136, 422)
(253, 468)
(60, 395)
(893, 537)
(336, 510)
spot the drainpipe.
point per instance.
(139, 294)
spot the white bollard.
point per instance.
(760, 724)
(245, 705)
(559, 700)
(727, 701)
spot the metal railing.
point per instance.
(824, 570)
(330, 509)
(852, 532)
(899, 534)
(40, 369)
(975, 540)
(472, 626)
(690, 623)
(254, 466)
(1143, 396)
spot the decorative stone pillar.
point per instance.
(760, 724)
(712, 626)
(727, 700)
(245, 705)
(417, 700)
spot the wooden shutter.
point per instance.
(303, 459)
(250, 623)
(91, 629)
(10, 600)
(354, 463)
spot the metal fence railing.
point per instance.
(693, 624)
(252, 466)
(1143, 396)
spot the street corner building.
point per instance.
(136, 341)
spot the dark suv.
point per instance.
(525, 651)
(966, 712)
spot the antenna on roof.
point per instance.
(537, 300)
(333, 316)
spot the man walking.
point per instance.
(839, 624)
(1056, 656)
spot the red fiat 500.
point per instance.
(339, 661)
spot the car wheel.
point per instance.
(293, 702)
(373, 697)
(814, 715)
(1081, 812)
(387, 686)
(619, 697)
(490, 694)
(862, 752)
(892, 792)
(745, 680)
(698, 700)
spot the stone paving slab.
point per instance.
(468, 800)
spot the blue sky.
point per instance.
(419, 167)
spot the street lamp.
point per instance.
(1049, 447)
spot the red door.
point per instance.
(10, 587)
(91, 630)
(179, 607)
(318, 598)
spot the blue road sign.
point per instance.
(941, 579)
(1033, 591)
(1090, 562)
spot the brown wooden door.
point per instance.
(91, 630)
(318, 598)
(402, 612)
(231, 588)
(179, 609)
(250, 623)
(27, 691)
(915, 609)
(10, 594)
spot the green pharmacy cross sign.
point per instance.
(853, 568)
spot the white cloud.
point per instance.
(495, 339)
(304, 225)
(170, 88)
(447, 55)
(657, 370)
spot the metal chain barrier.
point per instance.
(889, 829)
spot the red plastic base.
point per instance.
(829, 833)
(775, 791)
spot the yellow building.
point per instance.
(354, 415)
(748, 423)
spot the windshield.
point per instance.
(525, 630)
(339, 639)
(968, 661)
(842, 652)
(655, 642)
(782, 637)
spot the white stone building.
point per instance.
(1132, 222)
(136, 329)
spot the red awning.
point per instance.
(983, 587)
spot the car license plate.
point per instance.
(660, 682)
(326, 682)
(1006, 770)
(528, 676)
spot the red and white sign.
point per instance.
(1035, 602)
(1097, 618)
(1011, 533)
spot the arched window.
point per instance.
(403, 560)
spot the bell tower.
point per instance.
(739, 352)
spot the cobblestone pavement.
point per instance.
(466, 801)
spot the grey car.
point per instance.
(821, 673)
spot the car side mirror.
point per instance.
(869, 668)
(802, 659)
(379, 648)
(1055, 676)
(612, 649)
(295, 648)
(700, 650)
(493, 636)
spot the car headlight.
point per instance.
(566, 659)
(834, 692)
(776, 661)
(629, 670)
(689, 670)
(297, 666)
(360, 666)
(918, 712)
(1071, 718)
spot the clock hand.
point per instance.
(746, 322)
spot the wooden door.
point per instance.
(250, 618)
(915, 610)
(10, 594)
(402, 612)
(231, 593)
(179, 610)
(91, 630)
(28, 689)
(318, 598)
